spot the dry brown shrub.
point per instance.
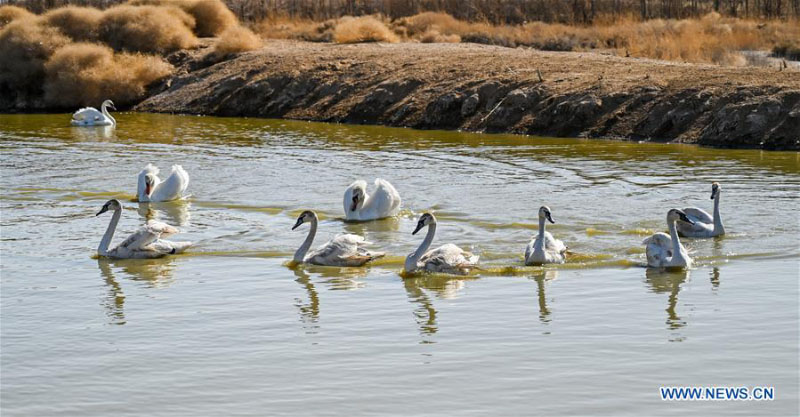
(433, 36)
(443, 23)
(299, 29)
(25, 45)
(79, 23)
(147, 29)
(362, 29)
(237, 39)
(212, 17)
(9, 14)
(81, 74)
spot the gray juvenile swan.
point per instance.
(704, 225)
(545, 249)
(666, 250)
(448, 259)
(343, 250)
(146, 242)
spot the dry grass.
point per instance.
(79, 23)
(362, 29)
(212, 17)
(80, 74)
(148, 29)
(25, 45)
(433, 36)
(298, 29)
(236, 39)
(9, 14)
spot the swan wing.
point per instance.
(343, 250)
(448, 258)
(552, 244)
(386, 200)
(698, 215)
(87, 113)
(168, 247)
(529, 249)
(658, 249)
(174, 187)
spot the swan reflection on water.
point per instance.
(666, 281)
(93, 133)
(309, 312)
(156, 273)
(418, 289)
(174, 213)
(542, 279)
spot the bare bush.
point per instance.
(236, 39)
(79, 23)
(9, 14)
(147, 29)
(362, 29)
(25, 45)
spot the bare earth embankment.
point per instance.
(494, 89)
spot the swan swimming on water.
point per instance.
(89, 116)
(666, 250)
(150, 188)
(146, 242)
(448, 258)
(358, 205)
(342, 250)
(704, 225)
(545, 249)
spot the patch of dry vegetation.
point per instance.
(212, 17)
(83, 73)
(236, 39)
(79, 23)
(9, 14)
(297, 29)
(362, 29)
(25, 46)
(147, 29)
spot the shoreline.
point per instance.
(491, 89)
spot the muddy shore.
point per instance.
(493, 89)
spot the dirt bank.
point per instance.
(494, 89)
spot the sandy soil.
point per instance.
(487, 88)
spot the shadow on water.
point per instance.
(665, 281)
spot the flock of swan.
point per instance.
(662, 250)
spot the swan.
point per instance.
(666, 250)
(448, 259)
(359, 206)
(545, 249)
(144, 243)
(704, 225)
(343, 250)
(150, 188)
(89, 116)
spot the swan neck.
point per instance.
(106, 240)
(104, 109)
(718, 227)
(300, 255)
(677, 248)
(411, 261)
(542, 225)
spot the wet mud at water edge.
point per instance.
(230, 328)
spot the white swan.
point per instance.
(89, 116)
(150, 188)
(545, 249)
(704, 225)
(146, 242)
(448, 259)
(359, 206)
(666, 250)
(343, 250)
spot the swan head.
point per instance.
(675, 215)
(112, 204)
(355, 196)
(424, 220)
(544, 213)
(715, 189)
(150, 182)
(109, 104)
(305, 216)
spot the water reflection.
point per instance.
(391, 224)
(665, 281)
(156, 273)
(541, 280)
(309, 312)
(93, 134)
(174, 212)
(114, 301)
(417, 289)
(714, 279)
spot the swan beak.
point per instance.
(299, 222)
(147, 189)
(550, 218)
(420, 225)
(102, 210)
(354, 205)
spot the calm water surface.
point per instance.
(230, 329)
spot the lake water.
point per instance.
(229, 329)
